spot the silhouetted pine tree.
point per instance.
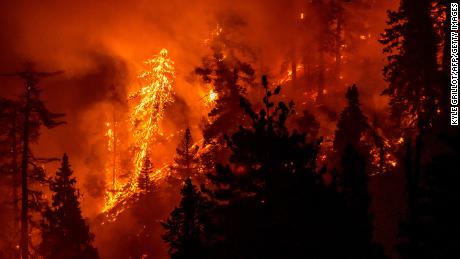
(352, 124)
(228, 74)
(186, 160)
(355, 193)
(35, 114)
(144, 182)
(352, 178)
(271, 201)
(12, 124)
(186, 226)
(416, 100)
(65, 234)
(412, 69)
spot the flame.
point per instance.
(384, 159)
(288, 76)
(149, 104)
(212, 96)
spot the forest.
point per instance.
(203, 129)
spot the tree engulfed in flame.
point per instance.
(149, 104)
(151, 101)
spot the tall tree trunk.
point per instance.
(294, 71)
(24, 165)
(114, 149)
(16, 179)
(410, 181)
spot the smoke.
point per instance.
(101, 46)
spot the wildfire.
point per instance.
(149, 104)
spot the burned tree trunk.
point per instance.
(24, 189)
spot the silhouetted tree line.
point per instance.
(271, 200)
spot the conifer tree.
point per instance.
(229, 75)
(352, 178)
(186, 159)
(186, 226)
(272, 189)
(35, 114)
(358, 218)
(352, 123)
(65, 233)
(412, 69)
(416, 97)
(144, 182)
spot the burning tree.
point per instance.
(148, 111)
(151, 101)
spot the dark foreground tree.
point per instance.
(186, 225)
(229, 74)
(186, 160)
(431, 228)
(354, 190)
(352, 177)
(352, 123)
(65, 233)
(35, 114)
(271, 201)
(412, 69)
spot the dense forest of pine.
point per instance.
(264, 181)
